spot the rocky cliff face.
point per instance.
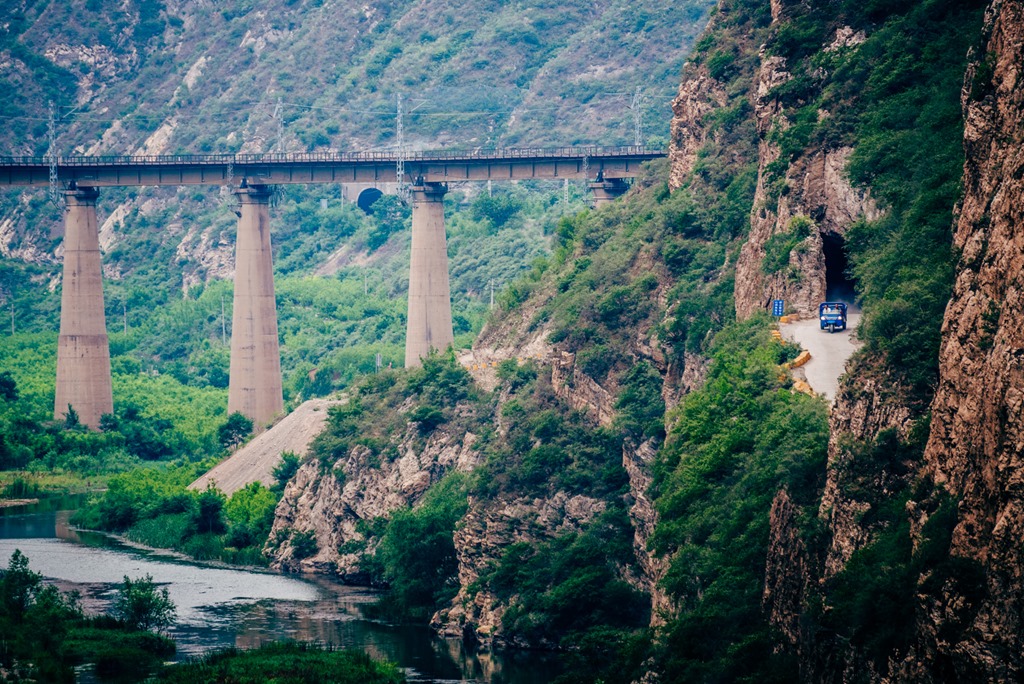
(807, 196)
(333, 504)
(873, 403)
(487, 529)
(698, 96)
(976, 444)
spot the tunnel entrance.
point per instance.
(366, 199)
(839, 285)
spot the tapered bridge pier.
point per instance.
(429, 323)
(254, 379)
(83, 351)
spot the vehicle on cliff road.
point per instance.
(832, 316)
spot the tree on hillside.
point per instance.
(71, 419)
(209, 514)
(285, 470)
(8, 387)
(234, 431)
(18, 586)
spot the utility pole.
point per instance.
(364, 282)
(637, 117)
(223, 325)
(490, 188)
(490, 283)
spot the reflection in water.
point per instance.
(222, 607)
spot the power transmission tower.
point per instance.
(55, 197)
(403, 190)
(638, 136)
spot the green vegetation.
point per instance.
(416, 555)
(567, 590)
(286, 663)
(234, 430)
(155, 419)
(45, 635)
(153, 507)
(140, 605)
(895, 99)
(736, 443)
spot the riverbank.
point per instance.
(227, 607)
(13, 503)
(20, 486)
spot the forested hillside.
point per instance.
(152, 77)
(620, 466)
(816, 147)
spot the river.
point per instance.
(220, 607)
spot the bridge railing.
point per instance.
(482, 154)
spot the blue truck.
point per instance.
(832, 316)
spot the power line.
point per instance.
(280, 104)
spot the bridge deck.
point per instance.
(346, 167)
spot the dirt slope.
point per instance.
(255, 462)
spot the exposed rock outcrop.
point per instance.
(490, 527)
(637, 460)
(813, 187)
(786, 572)
(976, 446)
(698, 95)
(872, 401)
(359, 488)
(580, 390)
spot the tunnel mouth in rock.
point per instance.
(839, 284)
(366, 199)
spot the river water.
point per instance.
(221, 607)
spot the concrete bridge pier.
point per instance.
(254, 385)
(429, 324)
(608, 190)
(83, 351)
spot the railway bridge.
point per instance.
(83, 355)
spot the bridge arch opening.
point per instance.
(366, 199)
(839, 283)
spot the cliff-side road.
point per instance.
(829, 351)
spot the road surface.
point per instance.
(829, 351)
